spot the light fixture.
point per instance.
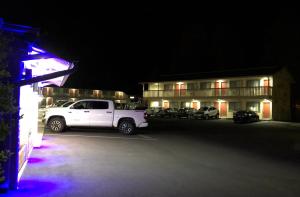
(266, 100)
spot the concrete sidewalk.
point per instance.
(64, 166)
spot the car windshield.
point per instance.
(251, 112)
(203, 108)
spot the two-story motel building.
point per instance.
(266, 91)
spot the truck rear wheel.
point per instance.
(57, 124)
(126, 127)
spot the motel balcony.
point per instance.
(211, 92)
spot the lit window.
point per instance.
(193, 86)
(205, 85)
(253, 106)
(154, 104)
(252, 83)
(235, 84)
(168, 86)
(234, 106)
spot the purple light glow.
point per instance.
(34, 160)
(42, 147)
(30, 188)
(43, 64)
(38, 50)
(35, 51)
(32, 53)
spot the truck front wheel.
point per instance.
(126, 127)
(57, 124)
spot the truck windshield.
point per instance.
(67, 104)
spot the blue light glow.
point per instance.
(40, 67)
(34, 160)
(29, 136)
(35, 51)
(33, 187)
(38, 62)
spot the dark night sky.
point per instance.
(117, 47)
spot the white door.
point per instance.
(78, 114)
(101, 114)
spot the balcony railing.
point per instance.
(213, 92)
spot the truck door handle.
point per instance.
(70, 112)
(86, 111)
(109, 112)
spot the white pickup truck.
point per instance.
(95, 113)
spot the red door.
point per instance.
(216, 105)
(224, 88)
(177, 90)
(195, 105)
(266, 110)
(217, 88)
(182, 90)
(223, 110)
(266, 87)
(166, 104)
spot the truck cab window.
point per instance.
(100, 105)
(79, 105)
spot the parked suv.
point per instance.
(207, 113)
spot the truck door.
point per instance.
(78, 114)
(101, 114)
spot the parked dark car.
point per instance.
(152, 111)
(167, 113)
(186, 112)
(245, 116)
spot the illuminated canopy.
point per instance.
(45, 68)
(39, 66)
(35, 66)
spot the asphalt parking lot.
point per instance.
(170, 158)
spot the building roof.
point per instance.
(267, 70)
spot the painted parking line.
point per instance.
(145, 136)
(104, 137)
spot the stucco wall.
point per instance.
(282, 95)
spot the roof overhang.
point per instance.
(45, 68)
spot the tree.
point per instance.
(7, 102)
